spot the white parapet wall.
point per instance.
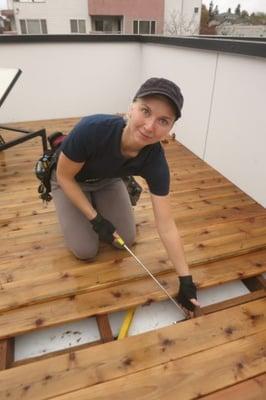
(62, 80)
(224, 119)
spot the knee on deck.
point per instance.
(85, 253)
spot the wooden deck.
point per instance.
(218, 355)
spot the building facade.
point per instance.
(170, 17)
(241, 30)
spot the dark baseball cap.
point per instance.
(164, 87)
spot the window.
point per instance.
(144, 27)
(135, 27)
(196, 10)
(23, 26)
(107, 24)
(33, 26)
(77, 26)
(99, 25)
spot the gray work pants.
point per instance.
(110, 198)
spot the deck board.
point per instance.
(42, 284)
(192, 377)
(156, 362)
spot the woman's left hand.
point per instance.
(187, 295)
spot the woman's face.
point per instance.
(150, 120)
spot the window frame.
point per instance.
(25, 22)
(136, 27)
(78, 26)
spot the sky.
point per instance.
(223, 5)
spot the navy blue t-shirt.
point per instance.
(96, 140)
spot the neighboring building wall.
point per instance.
(242, 30)
(182, 17)
(131, 10)
(56, 13)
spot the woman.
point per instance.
(91, 199)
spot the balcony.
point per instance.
(217, 162)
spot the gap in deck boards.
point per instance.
(146, 318)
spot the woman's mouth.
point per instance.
(145, 136)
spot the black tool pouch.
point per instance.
(133, 188)
(46, 163)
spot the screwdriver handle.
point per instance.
(119, 240)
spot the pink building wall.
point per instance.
(148, 10)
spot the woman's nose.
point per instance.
(149, 124)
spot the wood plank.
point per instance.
(6, 353)
(119, 296)
(234, 332)
(251, 389)
(81, 280)
(193, 376)
(104, 328)
(199, 241)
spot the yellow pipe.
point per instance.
(130, 313)
(126, 323)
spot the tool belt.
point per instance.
(45, 165)
(47, 162)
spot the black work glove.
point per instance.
(104, 228)
(187, 291)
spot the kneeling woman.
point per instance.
(91, 199)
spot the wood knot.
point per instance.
(116, 294)
(258, 264)
(39, 322)
(201, 246)
(229, 330)
(167, 342)
(239, 365)
(127, 361)
(147, 302)
(253, 317)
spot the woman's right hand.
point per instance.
(104, 228)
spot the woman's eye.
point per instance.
(164, 122)
(145, 111)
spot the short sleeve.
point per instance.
(157, 174)
(79, 144)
